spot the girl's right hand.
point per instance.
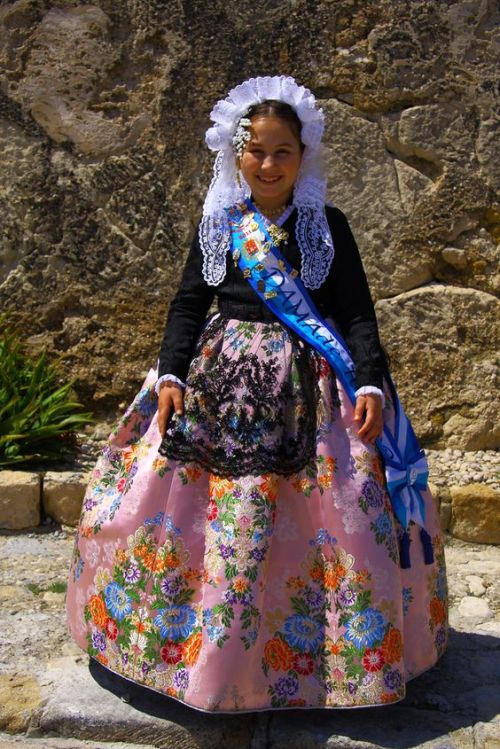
(170, 399)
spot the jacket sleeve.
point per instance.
(186, 315)
(352, 305)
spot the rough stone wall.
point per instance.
(103, 107)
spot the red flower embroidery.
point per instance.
(171, 652)
(373, 660)
(111, 629)
(303, 664)
(212, 510)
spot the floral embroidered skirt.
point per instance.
(250, 561)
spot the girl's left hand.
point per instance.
(369, 407)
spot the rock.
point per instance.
(14, 742)
(487, 735)
(455, 257)
(19, 697)
(356, 146)
(101, 432)
(106, 150)
(445, 515)
(63, 494)
(441, 494)
(475, 513)
(93, 712)
(475, 608)
(475, 584)
(19, 499)
(435, 132)
(59, 89)
(411, 184)
(444, 363)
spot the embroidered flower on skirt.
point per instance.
(252, 402)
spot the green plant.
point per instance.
(57, 587)
(38, 417)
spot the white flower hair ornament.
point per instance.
(228, 137)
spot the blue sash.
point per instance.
(280, 288)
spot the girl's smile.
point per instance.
(271, 160)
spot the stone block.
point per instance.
(451, 402)
(442, 498)
(63, 494)
(19, 697)
(95, 704)
(475, 513)
(19, 499)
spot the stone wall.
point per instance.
(103, 107)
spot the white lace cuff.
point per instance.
(371, 390)
(165, 377)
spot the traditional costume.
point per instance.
(261, 556)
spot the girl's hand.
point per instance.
(369, 407)
(171, 398)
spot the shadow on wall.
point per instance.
(460, 691)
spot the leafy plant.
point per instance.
(38, 417)
(57, 587)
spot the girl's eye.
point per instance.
(260, 152)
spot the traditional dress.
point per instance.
(251, 560)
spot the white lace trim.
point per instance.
(371, 390)
(312, 231)
(316, 245)
(166, 377)
(215, 240)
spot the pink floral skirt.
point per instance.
(272, 586)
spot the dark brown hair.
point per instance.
(278, 109)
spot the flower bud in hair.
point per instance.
(241, 136)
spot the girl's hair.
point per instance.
(278, 109)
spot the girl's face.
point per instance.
(271, 160)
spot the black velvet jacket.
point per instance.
(344, 295)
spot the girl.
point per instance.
(258, 533)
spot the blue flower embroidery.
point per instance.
(170, 526)
(365, 628)
(147, 402)
(303, 633)
(79, 569)
(383, 524)
(157, 520)
(407, 599)
(175, 622)
(275, 345)
(214, 632)
(117, 601)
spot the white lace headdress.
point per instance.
(311, 229)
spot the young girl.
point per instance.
(258, 533)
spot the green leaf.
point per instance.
(300, 606)
(39, 417)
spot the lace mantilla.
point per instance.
(312, 231)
